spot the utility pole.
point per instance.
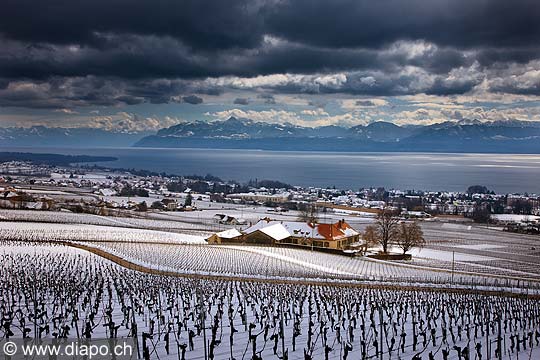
(203, 321)
(312, 227)
(499, 342)
(282, 332)
(381, 318)
(453, 260)
(488, 343)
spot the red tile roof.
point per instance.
(329, 232)
(334, 231)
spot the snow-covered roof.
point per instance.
(107, 192)
(229, 234)
(276, 231)
(302, 229)
(294, 228)
(11, 194)
(350, 232)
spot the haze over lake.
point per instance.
(504, 173)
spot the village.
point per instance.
(38, 186)
(259, 212)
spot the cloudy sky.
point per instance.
(146, 64)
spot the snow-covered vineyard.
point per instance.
(261, 302)
(93, 233)
(77, 294)
(482, 250)
(454, 254)
(261, 262)
(190, 254)
(157, 222)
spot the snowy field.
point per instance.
(161, 250)
(50, 232)
(173, 317)
(474, 253)
(164, 224)
(77, 294)
(260, 262)
(96, 177)
(252, 213)
(170, 220)
(479, 249)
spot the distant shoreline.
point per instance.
(503, 173)
(52, 159)
(341, 145)
(55, 149)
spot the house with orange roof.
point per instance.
(336, 236)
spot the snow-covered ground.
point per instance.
(153, 223)
(447, 255)
(480, 249)
(94, 297)
(480, 246)
(104, 178)
(124, 200)
(252, 213)
(46, 232)
(466, 249)
(341, 317)
(256, 262)
(514, 217)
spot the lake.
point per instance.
(503, 173)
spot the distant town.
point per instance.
(130, 192)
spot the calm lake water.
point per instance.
(504, 173)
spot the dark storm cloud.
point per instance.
(128, 56)
(129, 100)
(204, 24)
(192, 99)
(318, 104)
(391, 83)
(57, 93)
(150, 57)
(365, 103)
(353, 23)
(523, 83)
(61, 92)
(118, 52)
(241, 101)
(268, 99)
(500, 56)
(211, 24)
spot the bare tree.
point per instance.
(309, 213)
(387, 227)
(370, 236)
(481, 213)
(410, 235)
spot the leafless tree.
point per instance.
(309, 213)
(387, 228)
(481, 213)
(370, 236)
(410, 235)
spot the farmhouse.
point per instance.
(170, 204)
(227, 236)
(336, 236)
(11, 198)
(228, 220)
